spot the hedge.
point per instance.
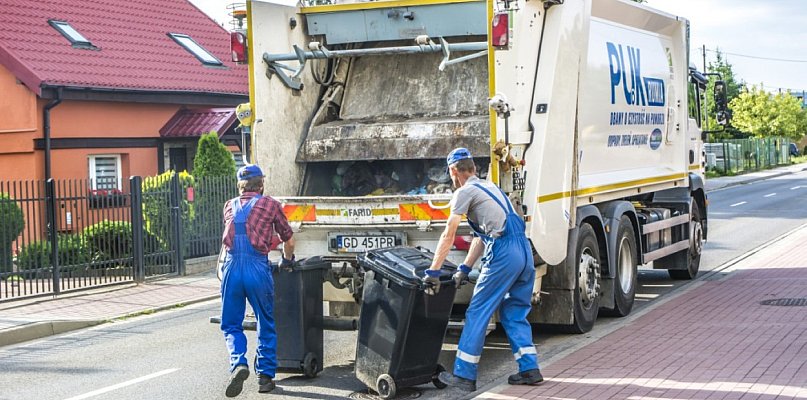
(12, 222)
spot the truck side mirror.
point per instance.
(721, 106)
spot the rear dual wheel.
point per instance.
(626, 270)
(587, 285)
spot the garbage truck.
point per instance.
(586, 113)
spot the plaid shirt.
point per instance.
(263, 224)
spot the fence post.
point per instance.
(53, 237)
(138, 251)
(176, 222)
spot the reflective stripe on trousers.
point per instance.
(247, 275)
(505, 284)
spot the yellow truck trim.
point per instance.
(607, 188)
(251, 71)
(375, 5)
(494, 165)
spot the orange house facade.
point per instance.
(81, 98)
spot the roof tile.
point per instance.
(135, 51)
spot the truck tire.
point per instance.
(692, 256)
(625, 270)
(587, 285)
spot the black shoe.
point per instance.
(531, 377)
(237, 378)
(265, 383)
(453, 380)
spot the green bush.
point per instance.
(73, 250)
(213, 158)
(112, 241)
(156, 205)
(12, 223)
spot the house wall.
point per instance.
(86, 119)
(18, 126)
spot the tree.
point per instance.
(214, 170)
(213, 158)
(763, 115)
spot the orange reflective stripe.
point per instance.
(295, 213)
(422, 212)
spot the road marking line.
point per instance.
(738, 204)
(770, 194)
(795, 187)
(123, 384)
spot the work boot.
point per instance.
(456, 381)
(265, 383)
(530, 377)
(237, 378)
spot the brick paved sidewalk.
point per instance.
(23, 320)
(716, 341)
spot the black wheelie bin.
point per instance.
(401, 328)
(299, 317)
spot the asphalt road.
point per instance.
(180, 355)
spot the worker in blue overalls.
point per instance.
(505, 282)
(251, 221)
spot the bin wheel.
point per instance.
(385, 386)
(310, 365)
(435, 380)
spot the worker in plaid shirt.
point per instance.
(250, 224)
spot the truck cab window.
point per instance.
(694, 103)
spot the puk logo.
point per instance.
(625, 67)
(655, 139)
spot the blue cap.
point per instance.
(457, 154)
(248, 172)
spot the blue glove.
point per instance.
(432, 280)
(286, 265)
(461, 276)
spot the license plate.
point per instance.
(361, 244)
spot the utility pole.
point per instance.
(704, 59)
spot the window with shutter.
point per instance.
(105, 172)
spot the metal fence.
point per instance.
(205, 225)
(742, 155)
(61, 236)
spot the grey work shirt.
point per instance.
(479, 207)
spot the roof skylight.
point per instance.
(76, 39)
(194, 48)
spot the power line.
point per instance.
(757, 57)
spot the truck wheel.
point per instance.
(587, 287)
(693, 255)
(626, 269)
(386, 386)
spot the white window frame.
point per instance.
(72, 34)
(93, 177)
(196, 49)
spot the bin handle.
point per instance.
(436, 207)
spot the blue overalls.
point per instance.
(506, 284)
(247, 276)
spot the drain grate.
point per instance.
(403, 394)
(787, 302)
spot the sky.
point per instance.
(768, 29)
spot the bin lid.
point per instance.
(311, 263)
(406, 265)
